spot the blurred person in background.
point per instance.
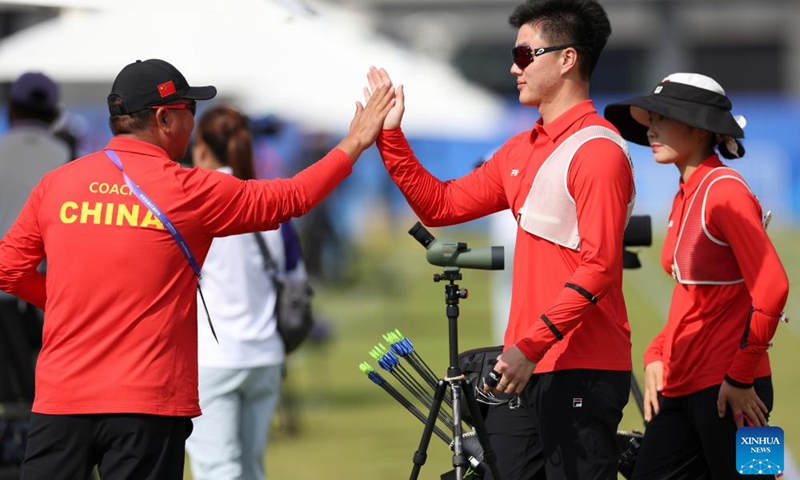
(240, 377)
(707, 372)
(326, 253)
(70, 128)
(567, 346)
(126, 230)
(27, 151)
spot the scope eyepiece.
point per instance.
(422, 234)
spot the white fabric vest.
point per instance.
(549, 210)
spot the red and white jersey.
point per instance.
(700, 257)
(600, 180)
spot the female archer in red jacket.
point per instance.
(707, 372)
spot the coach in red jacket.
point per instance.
(116, 380)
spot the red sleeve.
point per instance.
(655, 351)
(435, 202)
(601, 182)
(229, 206)
(21, 253)
(734, 216)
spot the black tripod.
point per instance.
(460, 388)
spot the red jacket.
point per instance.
(120, 329)
(595, 336)
(707, 324)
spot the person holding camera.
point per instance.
(567, 344)
(707, 372)
(125, 231)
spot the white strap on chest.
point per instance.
(549, 210)
(699, 212)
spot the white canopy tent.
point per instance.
(267, 57)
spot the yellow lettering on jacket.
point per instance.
(87, 212)
(151, 220)
(109, 188)
(68, 217)
(108, 213)
(131, 216)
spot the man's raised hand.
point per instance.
(369, 119)
(375, 78)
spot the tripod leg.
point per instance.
(459, 457)
(420, 456)
(489, 456)
(637, 394)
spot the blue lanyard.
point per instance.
(112, 155)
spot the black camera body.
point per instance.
(638, 233)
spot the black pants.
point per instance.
(688, 440)
(565, 428)
(123, 446)
(20, 342)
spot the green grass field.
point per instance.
(350, 428)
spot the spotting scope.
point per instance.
(447, 253)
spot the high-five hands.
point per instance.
(514, 371)
(377, 77)
(369, 119)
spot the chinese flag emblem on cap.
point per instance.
(166, 89)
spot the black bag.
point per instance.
(293, 307)
(476, 364)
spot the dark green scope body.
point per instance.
(447, 253)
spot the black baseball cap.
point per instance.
(147, 83)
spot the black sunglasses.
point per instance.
(524, 55)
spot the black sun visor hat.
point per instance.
(145, 84)
(690, 98)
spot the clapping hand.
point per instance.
(369, 119)
(377, 77)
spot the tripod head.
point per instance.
(451, 291)
(450, 274)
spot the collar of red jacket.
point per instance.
(127, 144)
(563, 124)
(699, 174)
